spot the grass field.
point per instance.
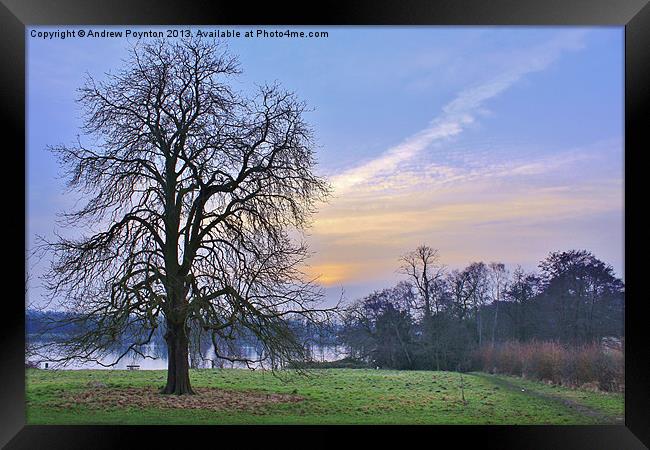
(326, 396)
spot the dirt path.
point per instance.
(578, 407)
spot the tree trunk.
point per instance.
(479, 326)
(495, 323)
(427, 301)
(178, 374)
(404, 347)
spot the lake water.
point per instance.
(158, 359)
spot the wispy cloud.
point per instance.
(460, 112)
(471, 201)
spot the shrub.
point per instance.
(511, 358)
(576, 366)
(611, 371)
(545, 362)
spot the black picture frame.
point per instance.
(16, 15)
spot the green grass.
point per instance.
(332, 396)
(609, 404)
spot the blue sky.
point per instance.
(495, 143)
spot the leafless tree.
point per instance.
(477, 289)
(195, 199)
(378, 326)
(498, 285)
(461, 292)
(423, 267)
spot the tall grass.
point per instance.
(587, 365)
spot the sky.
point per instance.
(487, 143)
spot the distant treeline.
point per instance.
(437, 319)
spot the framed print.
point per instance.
(392, 219)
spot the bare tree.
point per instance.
(195, 196)
(461, 292)
(477, 292)
(423, 266)
(498, 285)
(377, 327)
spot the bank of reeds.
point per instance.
(595, 366)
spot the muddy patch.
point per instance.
(213, 399)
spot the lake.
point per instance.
(158, 358)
